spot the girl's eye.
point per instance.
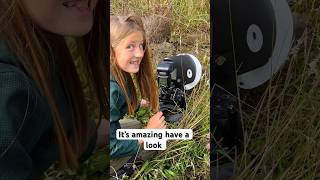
(70, 3)
(141, 46)
(130, 46)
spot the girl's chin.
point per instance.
(132, 70)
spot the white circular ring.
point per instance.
(189, 73)
(254, 38)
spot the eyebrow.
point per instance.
(136, 41)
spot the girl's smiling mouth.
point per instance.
(84, 9)
(135, 62)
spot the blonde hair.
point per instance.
(121, 27)
(19, 32)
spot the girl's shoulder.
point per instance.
(9, 63)
(113, 80)
(117, 96)
(115, 90)
(6, 54)
(18, 92)
(11, 69)
(114, 85)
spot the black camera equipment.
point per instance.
(251, 41)
(176, 75)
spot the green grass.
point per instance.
(188, 16)
(95, 168)
(188, 158)
(282, 137)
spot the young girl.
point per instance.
(43, 113)
(129, 57)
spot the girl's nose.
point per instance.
(138, 52)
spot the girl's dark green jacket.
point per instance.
(119, 108)
(27, 144)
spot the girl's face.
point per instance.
(63, 17)
(129, 52)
